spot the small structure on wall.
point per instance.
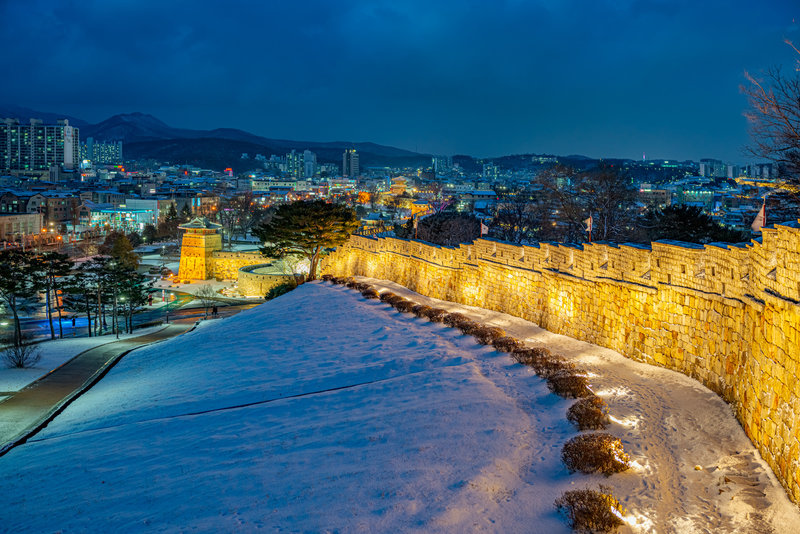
(201, 240)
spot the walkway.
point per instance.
(30, 409)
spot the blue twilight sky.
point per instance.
(482, 77)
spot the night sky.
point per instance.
(486, 78)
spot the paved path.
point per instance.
(30, 409)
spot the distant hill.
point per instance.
(216, 153)
(147, 137)
(26, 114)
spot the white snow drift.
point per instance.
(322, 411)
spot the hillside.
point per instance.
(147, 137)
(323, 411)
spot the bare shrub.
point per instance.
(452, 319)
(338, 280)
(404, 307)
(351, 283)
(469, 327)
(420, 309)
(370, 294)
(569, 384)
(529, 356)
(486, 335)
(590, 413)
(392, 301)
(543, 362)
(507, 344)
(327, 278)
(361, 286)
(595, 453)
(387, 295)
(21, 357)
(435, 315)
(589, 510)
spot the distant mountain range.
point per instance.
(146, 137)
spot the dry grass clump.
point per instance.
(469, 327)
(327, 277)
(387, 295)
(569, 384)
(404, 307)
(351, 283)
(339, 280)
(435, 315)
(589, 510)
(595, 453)
(590, 413)
(370, 293)
(486, 335)
(530, 356)
(453, 319)
(507, 344)
(361, 286)
(420, 309)
(392, 301)
(543, 362)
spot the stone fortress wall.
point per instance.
(726, 315)
(226, 265)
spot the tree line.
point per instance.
(106, 288)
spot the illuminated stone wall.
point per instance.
(727, 316)
(226, 265)
(257, 284)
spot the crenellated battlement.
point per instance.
(726, 315)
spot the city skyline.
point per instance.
(484, 79)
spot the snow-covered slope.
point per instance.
(322, 411)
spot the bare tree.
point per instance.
(207, 296)
(516, 218)
(240, 214)
(774, 118)
(21, 356)
(570, 197)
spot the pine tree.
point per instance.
(20, 279)
(122, 252)
(306, 228)
(53, 268)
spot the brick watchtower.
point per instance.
(200, 241)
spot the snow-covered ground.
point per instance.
(321, 411)
(54, 354)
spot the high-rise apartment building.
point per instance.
(36, 147)
(350, 167)
(294, 164)
(102, 153)
(309, 164)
